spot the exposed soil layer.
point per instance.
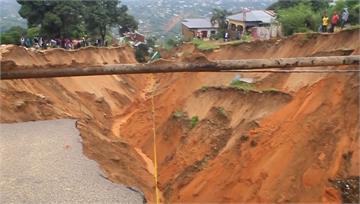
(215, 143)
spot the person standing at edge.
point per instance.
(334, 21)
(325, 22)
(344, 17)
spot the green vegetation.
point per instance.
(317, 5)
(250, 87)
(56, 18)
(151, 41)
(101, 15)
(13, 35)
(170, 43)
(300, 18)
(204, 45)
(178, 114)
(305, 15)
(33, 32)
(219, 17)
(246, 38)
(353, 7)
(243, 85)
(194, 121)
(204, 88)
(145, 52)
(141, 53)
(270, 90)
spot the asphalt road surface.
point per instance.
(42, 162)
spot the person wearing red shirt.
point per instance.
(334, 21)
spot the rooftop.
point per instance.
(255, 15)
(199, 23)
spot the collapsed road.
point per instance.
(42, 162)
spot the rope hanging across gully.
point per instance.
(157, 196)
(246, 65)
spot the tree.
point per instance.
(141, 52)
(282, 4)
(13, 35)
(101, 15)
(151, 41)
(75, 18)
(55, 18)
(300, 18)
(354, 12)
(305, 15)
(127, 24)
(33, 32)
(316, 5)
(219, 16)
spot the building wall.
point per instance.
(265, 33)
(187, 33)
(208, 31)
(237, 23)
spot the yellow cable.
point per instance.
(154, 139)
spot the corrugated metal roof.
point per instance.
(255, 15)
(198, 23)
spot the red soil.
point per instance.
(248, 146)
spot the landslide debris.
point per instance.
(278, 141)
(349, 188)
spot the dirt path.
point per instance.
(42, 162)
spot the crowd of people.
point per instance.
(334, 21)
(66, 43)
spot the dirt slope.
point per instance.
(184, 178)
(280, 142)
(94, 101)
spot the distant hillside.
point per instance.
(155, 17)
(9, 15)
(162, 17)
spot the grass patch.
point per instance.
(194, 121)
(204, 88)
(246, 38)
(178, 114)
(204, 45)
(270, 90)
(243, 85)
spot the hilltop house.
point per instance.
(261, 23)
(248, 19)
(198, 27)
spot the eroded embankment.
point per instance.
(93, 101)
(215, 143)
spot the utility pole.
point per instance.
(203, 65)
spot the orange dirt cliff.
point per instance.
(284, 137)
